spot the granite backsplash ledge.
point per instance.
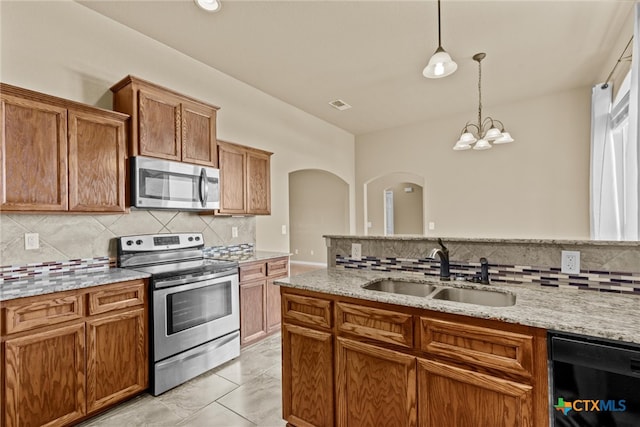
(594, 255)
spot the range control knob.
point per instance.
(129, 242)
(197, 238)
(190, 239)
(138, 242)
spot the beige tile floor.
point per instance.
(243, 392)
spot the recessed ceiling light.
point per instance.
(339, 104)
(209, 5)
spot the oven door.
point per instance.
(163, 184)
(191, 314)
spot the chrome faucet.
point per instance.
(443, 254)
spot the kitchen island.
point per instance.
(354, 356)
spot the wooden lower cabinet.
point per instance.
(274, 315)
(45, 377)
(260, 313)
(116, 348)
(403, 366)
(456, 397)
(307, 361)
(253, 323)
(68, 355)
(375, 386)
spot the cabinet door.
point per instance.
(307, 377)
(454, 397)
(274, 308)
(199, 135)
(159, 125)
(232, 162)
(253, 321)
(33, 162)
(45, 377)
(96, 163)
(258, 183)
(117, 362)
(374, 385)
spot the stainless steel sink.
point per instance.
(476, 296)
(399, 286)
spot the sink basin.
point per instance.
(404, 287)
(476, 296)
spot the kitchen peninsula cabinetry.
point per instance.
(70, 354)
(245, 179)
(166, 124)
(402, 366)
(59, 155)
(260, 298)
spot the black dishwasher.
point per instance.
(593, 382)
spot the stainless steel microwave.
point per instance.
(163, 184)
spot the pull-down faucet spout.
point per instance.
(443, 254)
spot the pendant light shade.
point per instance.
(440, 64)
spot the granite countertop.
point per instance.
(40, 285)
(611, 316)
(251, 257)
(403, 237)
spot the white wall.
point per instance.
(65, 49)
(536, 187)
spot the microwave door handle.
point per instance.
(204, 187)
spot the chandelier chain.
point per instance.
(479, 97)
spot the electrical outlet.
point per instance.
(312, 252)
(284, 230)
(356, 251)
(295, 252)
(432, 225)
(234, 231)
(570, 262)
(31, 241)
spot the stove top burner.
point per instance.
(187, 267)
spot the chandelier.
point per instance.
(486, 130)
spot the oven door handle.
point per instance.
(191, 280)
(204, 187)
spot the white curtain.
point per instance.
(615, 156)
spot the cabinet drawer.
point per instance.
(253, 271)
(278, 267)
(478, 346)
(306, 310)
(376, 324)
(36, 312)
(123, 295)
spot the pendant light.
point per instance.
(486, 130)
(440, 64)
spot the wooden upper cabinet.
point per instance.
(166, 124)
(245, 179)
(258, 182)
(233, 175)
(198, 134)
(34, 155)
(60, 155)
(159, 126)
(97, 151)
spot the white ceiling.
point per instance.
(371, 53)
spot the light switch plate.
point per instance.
(31, 241)
(356, 251)
(234, 231)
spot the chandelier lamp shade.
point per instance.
(487, 130)
(440, 64)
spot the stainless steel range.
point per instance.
(194, 305)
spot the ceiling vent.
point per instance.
(339, 104)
